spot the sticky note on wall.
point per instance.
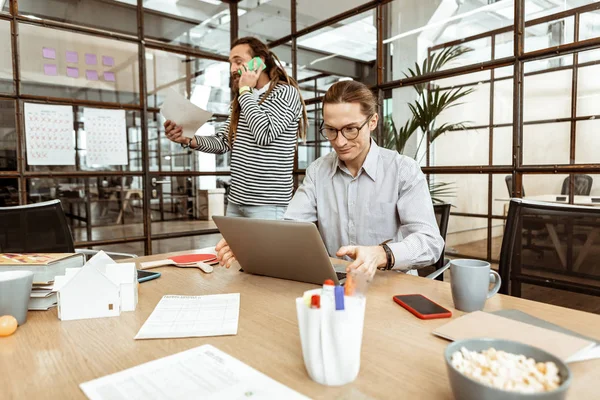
(108, 61)
(73, 72)
(49, 53)
(91, 59)
(91, 75)
(50, 69)
(109, 76)
(72, 57)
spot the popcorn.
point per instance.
(507, 371)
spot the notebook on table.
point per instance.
(45, 266)
(521, 327)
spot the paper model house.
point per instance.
(125, 275)
(97, 289)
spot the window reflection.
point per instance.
(348, 49)
(200, 24)
(114, 16)
(8, 136)
(60, 63)
(6, 70)
(204, 82)
(9, 192)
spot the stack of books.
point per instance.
(45, 267)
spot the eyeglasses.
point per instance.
(349, 132)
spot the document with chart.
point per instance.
(204, 372)
(192, 316)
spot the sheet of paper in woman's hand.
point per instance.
(184, 113)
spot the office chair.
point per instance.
(442, 216)
(533, 228)
(563, 272)
(39, 228)
(508, 180)
(583, 185)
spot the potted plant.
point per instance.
(431, 101)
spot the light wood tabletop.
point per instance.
(47, 358)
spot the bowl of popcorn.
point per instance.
(495, 369)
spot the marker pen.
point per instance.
(339, 298)
(315, 301)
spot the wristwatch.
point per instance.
(245, 89)
(188, 145)
(388, 255)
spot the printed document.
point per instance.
(192, 316)
(181, 111)
(203, 372)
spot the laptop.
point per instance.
(280, 249)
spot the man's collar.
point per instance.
(369, 165)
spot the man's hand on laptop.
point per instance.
(366, 259)
(224, 254)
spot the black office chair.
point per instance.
(583, 185)
(442, 216)
(575, 268)
(39, 228)
(508, 180)
(533, 229)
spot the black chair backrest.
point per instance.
(35, 228)
(508, 180)
(583, 185)
(442, 216)
(563, 263)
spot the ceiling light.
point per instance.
(490, 7)
(214, 2)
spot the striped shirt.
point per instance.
(262, 157)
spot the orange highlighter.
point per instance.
(349, 286)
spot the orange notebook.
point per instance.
(480, 324)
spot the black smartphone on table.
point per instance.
(144, 276)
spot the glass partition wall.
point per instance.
(508, 91)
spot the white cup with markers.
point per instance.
(331, 320)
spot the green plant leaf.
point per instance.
(431, 101)
(440, 190)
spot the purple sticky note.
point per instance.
(48, 52)
(72, 57)
(50, 69)
(91, 75)
(109, 76)
(73, 72)
(109, 61)
(91, 59)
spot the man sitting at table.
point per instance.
(371, 204)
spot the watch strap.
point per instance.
(188, 145)
(245, 89)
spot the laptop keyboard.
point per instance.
(341, 275)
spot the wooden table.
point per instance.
(47, 358)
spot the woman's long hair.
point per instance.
(276, 74)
